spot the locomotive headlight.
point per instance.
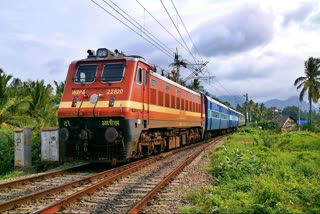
(102, 52)
(94, 98)
(64, 134)
(111, 134)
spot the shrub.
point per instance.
(279, 174)
(6, 151)
(269, 125)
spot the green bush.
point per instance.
(279, 174)
(6, 151)
(269, 125)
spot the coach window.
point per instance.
(139, 76)
(86, 74)
(112, 72)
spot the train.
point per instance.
(117, 107)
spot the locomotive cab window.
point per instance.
(139, 76)
(112, 72)
(86, 74)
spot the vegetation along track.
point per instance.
(109, 191)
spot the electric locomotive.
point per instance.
(116, 107)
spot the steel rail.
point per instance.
(56, 206)
(11, 204)
(143, 202)
(24, 181)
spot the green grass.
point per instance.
(262, 172)
(12, 174)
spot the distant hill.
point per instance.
(233, 100)
(291, 101)
(280, 104)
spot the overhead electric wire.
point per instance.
(163, 26)
(228, 92)
(186, 29)
(163, 45)
(196, 61)
(160, 48)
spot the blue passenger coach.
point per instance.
(217, 115)
(220, 118)
(233, 118)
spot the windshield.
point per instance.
(112, 72)
(86, 74)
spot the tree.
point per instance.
(58, 92)
(310, 83)
(292, 111)
(12, 106)
(226, 103)
(261, 111)
(196, 85)
(41, 106)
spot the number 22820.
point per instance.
(114, 91)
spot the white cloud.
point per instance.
(238, 31)
(256, 47)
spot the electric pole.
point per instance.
(247, 103)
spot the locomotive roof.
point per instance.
(173, 83)
(127, 58)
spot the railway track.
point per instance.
(120, 190)
(28, 184)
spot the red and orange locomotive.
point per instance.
(117, 107)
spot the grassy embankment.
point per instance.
(262, 172)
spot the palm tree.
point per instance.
(196, 85)
(12, 106)
(58, 92)
(41, 106)
(310, 83)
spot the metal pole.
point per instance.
(247, 114)
(299, 117)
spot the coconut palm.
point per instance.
(260, 111)
(310, 83)
(42, 103)
(11, 105)
(59, 90)
(196, 85)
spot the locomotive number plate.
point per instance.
(78, 91)
(114, 91)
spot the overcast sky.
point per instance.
(255, 47)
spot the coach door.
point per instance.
(145, 93)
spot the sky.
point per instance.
(252, 46)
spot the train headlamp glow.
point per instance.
(102, 52)
(111, 134)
